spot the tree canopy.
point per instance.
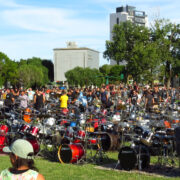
(26, 73)
(84, 77)
(144, 49)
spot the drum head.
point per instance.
(127, 157)
(65, 154)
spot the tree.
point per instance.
(166, 35)
(84, 77)
(145, 50)
(116, 48)
(50, 66)
(32, 73)
(8, 70)
(105, 69)
(115, 73)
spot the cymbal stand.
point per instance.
(166, 157)
(139, 161)
(100, 153)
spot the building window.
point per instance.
(117, 20)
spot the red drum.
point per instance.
(24, 128)
(92, 141)
(3, 129)
(65, 111)
(81, 134)
(3, 142)
(76, 141)
(70, 153)
(63, 122)
(35, 145)
(34, 131)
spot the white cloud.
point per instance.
(44, 29)
(54, 21)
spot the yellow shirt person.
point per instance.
(63, 100)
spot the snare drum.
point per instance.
(24, 128)
(70, 153)
(34, 130)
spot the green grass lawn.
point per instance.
(57, 171)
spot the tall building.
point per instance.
(127, 13)
(68, 58)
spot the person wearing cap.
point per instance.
(20, 153)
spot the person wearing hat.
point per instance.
(20, 153)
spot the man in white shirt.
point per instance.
(31, 94)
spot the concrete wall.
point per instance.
(93, 59)
(65, 60)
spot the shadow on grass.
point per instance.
(49, 154)
(163, 170)
(154, 170)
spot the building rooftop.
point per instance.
(80, 48)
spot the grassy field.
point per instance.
(57, 171)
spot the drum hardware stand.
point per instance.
(117, 164)
(100, 154)
(139, 161)
(164, 158)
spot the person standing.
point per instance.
(63, 100)
(9, 99)
(30, 95)
(149, 101)
(23, 100)
(39, 100)
(104, 96)
(156, 95)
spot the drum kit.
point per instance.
(149, 137)
(147, 134)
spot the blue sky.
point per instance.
(35, 27)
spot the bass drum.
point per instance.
(70, 153)
(128, 158)
(35, 145)
(108, 141)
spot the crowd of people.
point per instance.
(109, 96)
(85, 100)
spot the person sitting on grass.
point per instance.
(20, 153)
